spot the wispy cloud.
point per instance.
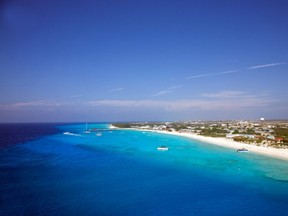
(212, 74)
(38, 103)
(265, 65)
(161, 93)
(175, 87)
(217, 101)
(132, 104)
(167, 91)
(235, 71)
(225, 100)
(116, 89)
(225, 94)
(32, 103)
(75, 96)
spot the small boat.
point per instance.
(99, 134)
(162, 148)
(242, 150)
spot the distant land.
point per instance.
(269, 137)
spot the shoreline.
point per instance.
(281, 154)
(228, 143)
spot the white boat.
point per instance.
(163, 148)
(242, 150)
(99, 134)
(86, 130)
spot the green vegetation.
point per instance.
(250, 131)
(248, 140)
(240, 139)
(178, 127)
(213, 132)
(246, 131)
(235, 132)
(122, 125)
(281, 132)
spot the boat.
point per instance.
(99, 134)
(86, 130)
(242, 150)
(163, 148)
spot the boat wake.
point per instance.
(71, 134)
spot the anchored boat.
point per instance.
(242, 150)
(162, 148)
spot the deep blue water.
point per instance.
(122, 173)
(11, 133)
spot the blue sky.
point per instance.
(130, 60)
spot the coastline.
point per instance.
(228, 143)
(281, 154)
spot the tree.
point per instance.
(235, 132)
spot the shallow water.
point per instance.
(122, 173)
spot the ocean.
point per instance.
(121, 172)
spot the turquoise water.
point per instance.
(122, 173)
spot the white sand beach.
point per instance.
(229, 143)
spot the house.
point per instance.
(279, 139)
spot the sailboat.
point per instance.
(86, 130)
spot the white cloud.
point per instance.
(31, 103)
(123, 103)
(116, 89)
(146, 103)
(225, 100)
(169, 90)
(212, 74)
(225, 94)
(175, 87)
(235, 71)
(265, 65)
(216, 103)
(38, 103)
(161, 93)
(75, 96)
